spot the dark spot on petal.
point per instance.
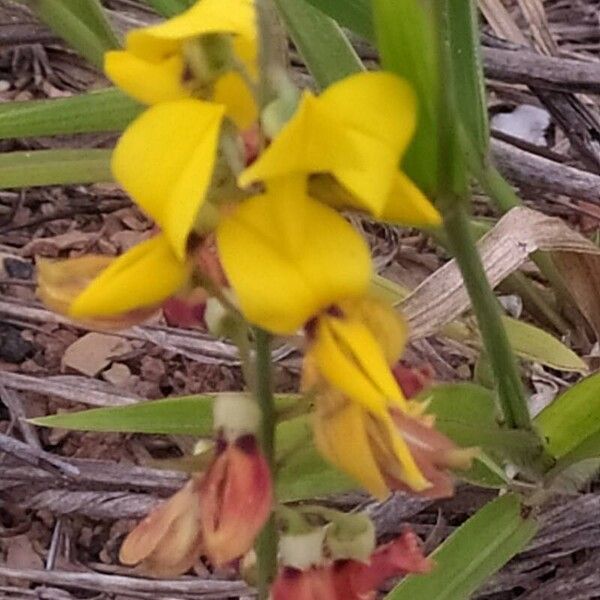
(247, 443)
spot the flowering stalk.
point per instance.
(452, 201)
(266, 543)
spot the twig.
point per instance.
(527, 169)
(36, 457)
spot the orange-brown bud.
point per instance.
(168, 542)
(236, 499)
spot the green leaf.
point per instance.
(572, 421)
(82, 23)
(54, 167)
(466, 413)
(169, 8)
(535, 344)
(467, 73)
(303, 472)
(474, 552)
(326, 51)
(185, 415)
(356, 15)
(104, 110)
(407, 46)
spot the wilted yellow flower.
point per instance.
(356, 131)
(363, 423)
(207, 52)
(288, 257)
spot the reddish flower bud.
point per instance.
(359, 581)
(413, 380)
(315, 583)
(236, 499)
(168, 541)
(186, 310)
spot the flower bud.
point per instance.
(304, 550)
(235, 415)
(351, 537)
(236, 495)
(168, 541)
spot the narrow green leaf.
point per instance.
(104, 110)
(81, 23)
(573, 418)
(185, 415)
(407, 46)
(326, 50)
(169, 8)
(54, 167)
(474, 552)
(535, 344)
(356, 15)
(467, 73)
(93, 15)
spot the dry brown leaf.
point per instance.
(501, 21)
(94, 352)
(442, 297)
(581, 273)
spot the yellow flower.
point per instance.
(193, 55)
(288, 257)
(165, 161)
(357, 131)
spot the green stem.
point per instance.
(497, 346)
(452, 199)
(266, 543)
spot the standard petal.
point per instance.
(147, 82)
(378, 104)
(407, 205)
(312, 141)
(144, 276)
(236, 17)
(282, 282)
(165, 160)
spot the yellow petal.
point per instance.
(407, 205)
(383, 321)
(147, 82)
(61, 281)
(281, 281)
(357, 131)
(410, 472)
(377, 104)
(236, 17)
(165, 160)
(312, 141)
(340, 435)
(352, 361)
(231, 90)
(144, 276)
